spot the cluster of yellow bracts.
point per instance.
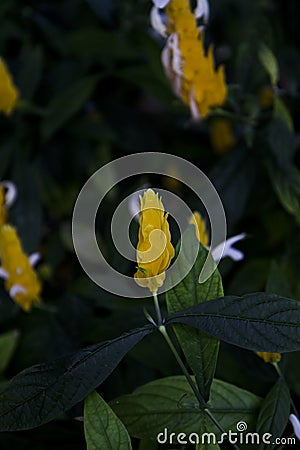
(20, 278)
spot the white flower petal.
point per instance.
(157, 22)
(17, 289)
(194, 108)
(160, 3)
(177, 85)
(3, 274)
(34, 258)
(11, 192)
(202, 10)
(296, 425)
(165, 59)
(225, 249)
(176, 60)
(79, 418)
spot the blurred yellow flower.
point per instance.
(21, 280)
(200, 228)
(224, 248)
(191, 71)
(8, 92)
(269, 357)
(221, 135)
(154, 248)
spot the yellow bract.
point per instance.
(154, 248)
(269, 357)
(199, 84)
(8, 92)
(200, 228)
(3, 212)
(22, 281)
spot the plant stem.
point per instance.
(165, 334)
(157, 309)
(278, 370)
(188, 377)
(214, 420)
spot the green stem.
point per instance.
(157, 309)
(165, 334)
(188, 377)
(220, 428)
(278, 370)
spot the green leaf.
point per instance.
(269, 61)
(276, 283)
(200, 350)
(8, 343)
(286, 184)
(260, 322)
(66, 105)
(209, 443)
(274, 413)
(102, 428)
(281, 112)
(43, 392)
(169, 403)
(208, 446)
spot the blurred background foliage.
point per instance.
(92, 89)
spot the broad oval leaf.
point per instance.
(43, 392)
(102, 428)
(206, 440)
(169, 403)
(260, 322)
(200, 350)
(274, 413)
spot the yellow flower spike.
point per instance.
(269, 357)
(191, 71)
(8, 92)
(21, 280)
(200, 228)
(154, 248)
(3, 212)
